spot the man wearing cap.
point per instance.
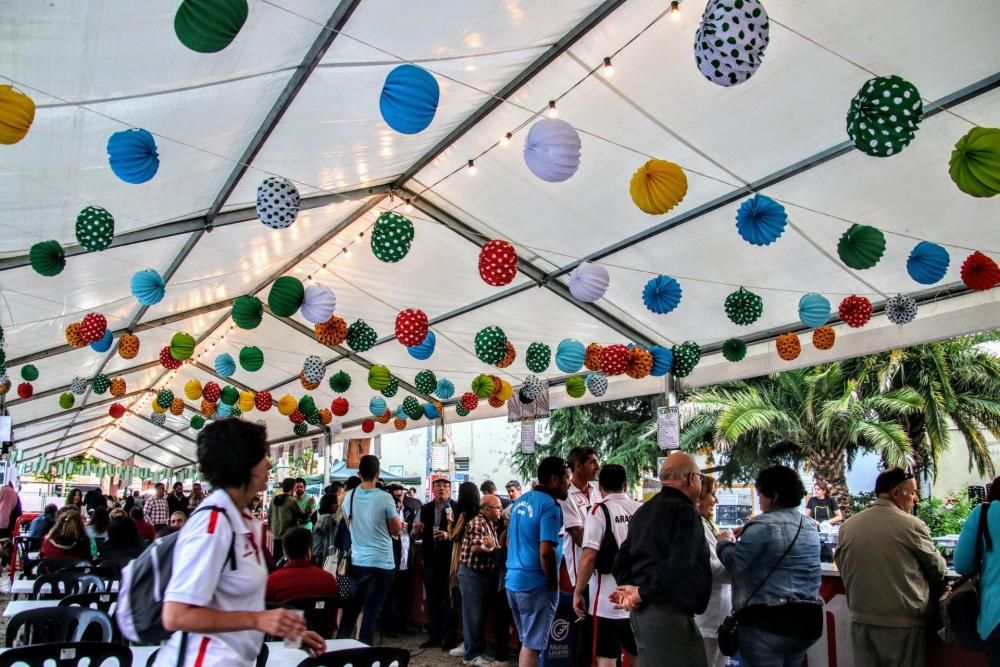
(432, 528)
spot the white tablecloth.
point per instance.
(15, 607)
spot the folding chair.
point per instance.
(361, 657)
(62, 584)
(59, 624)
(67, 654)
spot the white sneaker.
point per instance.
(478, 661)
(458, 651)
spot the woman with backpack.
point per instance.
(214, 602)
(989, 582)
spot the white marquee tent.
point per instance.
(297, 95)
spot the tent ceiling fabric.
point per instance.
(97, 67)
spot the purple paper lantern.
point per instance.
(552, 150)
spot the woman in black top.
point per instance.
(821, 507)
(123, 541)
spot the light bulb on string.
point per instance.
(347, 252)
(472, 168)
(552, 112)
(609, 69)
(408, 208)
(675, 10)
(506, 139)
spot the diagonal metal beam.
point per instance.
(57, 440)
(21, 441)
(166, 428)
(78, 409)
(153, 443)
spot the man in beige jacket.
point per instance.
(889, 565)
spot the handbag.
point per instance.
(960, 601)
(728, 634)
(342, 569)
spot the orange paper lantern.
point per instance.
(309, 386)
(592, 360)
(118, 387)
(73, 335)
(824, 337)
(384, 417)
(400, 424)
(331, 332)
(640, 363)
(788, 346)
(207, 408)
(508, 358)
(128, 346)
(177, 406)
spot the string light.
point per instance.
(506, 139)
(675, 10)
(472, 168)
(347, 252)
(408, 207)
(552, 112)
(609, 69)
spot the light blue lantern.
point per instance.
(148, 287)
(570, 355)
(225, 365)
(424, 350)
(377, 406)
(814, 310)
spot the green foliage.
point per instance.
(304, 465)
(944, 517)
(860, 501)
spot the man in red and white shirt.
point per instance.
(583, 494)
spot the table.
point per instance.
(15, 607)
(27, 587)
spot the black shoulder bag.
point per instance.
(960, 601)
(605, 562)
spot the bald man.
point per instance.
(663, 570)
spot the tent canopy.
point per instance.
(296, 95)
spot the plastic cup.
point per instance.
(295, 642)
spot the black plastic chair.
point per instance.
(26, 545)
(361, 657)
(103, 601)
(108, 572)
(59, 624)
(62, 584)
(261, 657)
(67, 654)
(53, 565)
(320, 613)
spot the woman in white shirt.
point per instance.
(720, 604)
(214, 603)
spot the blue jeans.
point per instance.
(533, 613)
(477, 590)
(765, 649)
(369, 588)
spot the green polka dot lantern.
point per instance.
(95, 228)
(360, 336)
(461, 410)
(412, 408)
(313, 418)
(491, 345)
(538, 357)
(164, 398)
(100, 384)
(734, 350)
(236, 413)
(426, 382)
(300, 429)
(390, 389)
(743, 307)
(286, 296)
(686, 357)
(391, 237)
(340, 382)
(884, 116)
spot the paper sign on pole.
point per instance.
(440, 458)
(668, 428)
(528, 436)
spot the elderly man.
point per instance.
(890, 568)
(477, 577)
(431, 528)
(663, 570)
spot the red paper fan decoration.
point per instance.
(979, 272)
(614, 359)
(384, 417)
(497, 263)
(855, 311)
(25, 390)
(411, 327)
(469, 401)
(592, 360)
(167, 360)
(262, 401)
(340, 406)
(368, 425)
(117, 410)
(92, 327)
(297, 417)
(211, 392)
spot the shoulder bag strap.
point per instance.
(775, 566)
(982, 535)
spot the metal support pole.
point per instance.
(670, 390)
(327, 448)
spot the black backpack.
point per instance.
(960, 601)
(609, 545)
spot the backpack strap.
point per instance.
(982, 537)
(608, 541)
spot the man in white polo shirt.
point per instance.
(583, 493)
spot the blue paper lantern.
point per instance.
(223, 410)
(400, 412)
(761, 220)
(814, 310)
(552, 150)
(225, 365)
(661, 294)
(425, 349)
(377, 405)
(928, 262)
(430, 411)
(147, 287)
(570, 355)
(445, 389)
(409, 99)
(104, 344)
(133, 157)
(663, 359)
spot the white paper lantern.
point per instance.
(589, 282)
(318, 304)
(277, 202)
(313, 369)
(901, 309)
(552, 150)
(731, 40)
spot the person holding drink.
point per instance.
(431, 528)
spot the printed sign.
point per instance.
(528, 436)
(668, 428)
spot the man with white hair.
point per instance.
(663, 570)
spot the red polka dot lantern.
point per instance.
(855, 311)
(469, 401)
(167, 360)
(211, 392)
(411, 327)
(340, 406)
(297, 417)
(92, 327)
(263, 400)
(615, 359)
(497, 263)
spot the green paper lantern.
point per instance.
(743, 307)
(576, 386)
(100, 384)
(734, 350)
(460, 410)
(229, 395)
(391, 237)
(426, 382)
(208, 26)
(95, 228)
(974, 165)
(861, 247)
(483, 386)
(300, 429)
(181, 346)
(379, 377)
(360, 336)
(251, 358)
(66, 400)
(197, 422)
(235, 413)
(412, 408)
(884, 116)
(164, 398)
(390, 390)
(491, 345)
(340, 382)
(537, 357)
(29, 373)
(286, 296)
(247, 312)
(313, 417)
(47, 258)
(307, 405)
(686, 357)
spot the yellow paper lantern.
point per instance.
(505, 391)
(287, 404)
(17, 112)
(192, 389)
(246, 401)
(658, 186)
(156, 407)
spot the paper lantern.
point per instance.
(118, 387)
(855, 311)
(325, 416)
(552, 150)
(760, 220)
(431, 411)
(208, 26)
(285, 296)
(251, 359)
(47, 257)
(589, 282)
(192, 389)
(340, 382)
(132, 155)
(105, 343)
(884, 116)
(461, 410)
(731, 40)
(167, 360)
(409, 99)
(570, 355)
(229, 395)
(532, 388)
(640, 363)
(537, 357)
(177, 406)
(497, 263)
(313, 369)
(384, 417)
(743, 307)
(73, 336)
(576, 386)
(300, 429)
(164, 398)
(592, 357)
(661, 294)
(390, 389)
(128, 346)
(197, 422)
(318, 304)
(469, 401)
(445, 389)
(505, 391)
(66, 400)
(368, 425)
(340, 406)
(391, 237)
(116, 410)
(861, 247)
(686, 357)
(307, 405)
(734, 350)
(399, 423)
(29, 373)
(92, 327)
(246, 401)
(824, 337)
(663, 360)
(412, 408)
(508, 357)
(425, 382)
(788, 346)
(208, 408)
(332, 332)
(597, 384)
(483, 385)
(376, 405)
(425, 349)
(223, 411)
(615, 359)
(95, 228)
(225, 365)
(17, 113)
(278, 205)
(25, 390)
(491, 344)
(814, 310)
(979, 272)
(158, 419)
(411, 327)
(78, 385)
(263, 400)
(181, 346)
(360, 336)
(927, 263)
(306, 384)
(156, 407)
(247, 311)
(100, 384)
(211, 392)
(4, 385)
(975, 162)
(378, 377)
(901, 309)
(657, 186)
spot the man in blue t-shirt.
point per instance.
(533, 555)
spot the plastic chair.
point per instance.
(53, 565)
(67, 583)
(26, 545)
(67, 654)
(261, 657)
(361, 657)
(103, 601)
(320, 613)
(59, 624)
(108, 572)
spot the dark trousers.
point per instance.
(278, 551)
(369, 588)
(502, 621)
(397, 607)
(441, 618)
(993, 648)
